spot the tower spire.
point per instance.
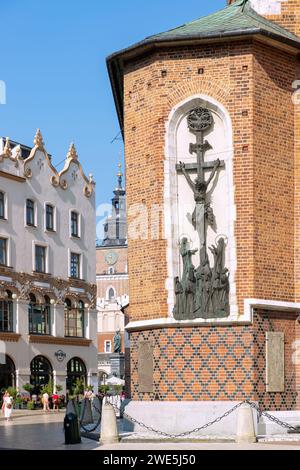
(120, 176)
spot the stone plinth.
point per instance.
(117, 361)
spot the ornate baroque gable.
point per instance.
(40, 156)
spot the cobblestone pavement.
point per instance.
(45, 432)
(38, 432)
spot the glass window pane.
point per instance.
(6, 316)
(2, 205)
(3, 251)
(39, 319)
(74, 224)
(30, 212)
(75, 266)
(40, 259)
(49, 217)
(74, 322)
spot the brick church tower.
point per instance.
(211, 139)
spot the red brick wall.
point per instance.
(149, 99)
(121, 285)
(254, 83)
(287, 324)
(102, 337)
(273, 131)
(121, 265)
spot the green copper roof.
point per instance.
(234, 21)
(239, 16)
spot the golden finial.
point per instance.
(7, 148)
(72, 153)
(38, 140)
(120, 170)
(120, 175)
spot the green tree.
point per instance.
(79, 387)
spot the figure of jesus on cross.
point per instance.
(199, 121)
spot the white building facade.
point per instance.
(48, 319)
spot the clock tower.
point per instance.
(112, 282)
(115, 230)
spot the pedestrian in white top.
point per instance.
(7, 406)
(46, 402)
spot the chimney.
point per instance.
(284, 12)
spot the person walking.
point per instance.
(7, 406)
(45, 399)
(55, 400)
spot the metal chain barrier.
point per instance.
(82, 417)
(270, 417)
(184, 434)
(205, 426)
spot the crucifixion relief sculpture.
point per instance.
(202, 292)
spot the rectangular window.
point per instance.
(39, 319)
(75, 266)
(74, 224)
(49, 217)
(107, 347)
(30, 216)
(3, 251)
(40, 259)
(2, 205)
(74, 321)
(6, 314)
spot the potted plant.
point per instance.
(13, 392)
(28, 388)
(18, 403)
(30, 405)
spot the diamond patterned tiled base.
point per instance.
(216, 363)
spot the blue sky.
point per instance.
(53, 63)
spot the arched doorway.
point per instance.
(41, 373)
(7, 374)
(75, 370)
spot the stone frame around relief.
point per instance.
(171, 199)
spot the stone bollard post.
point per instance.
(109, 428)
(245, 425)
